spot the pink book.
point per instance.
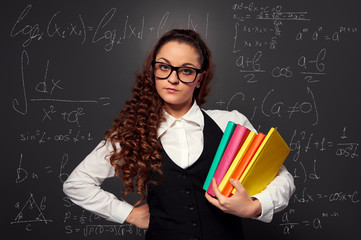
(238, 137)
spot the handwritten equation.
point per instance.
(25, 172)
(303, 141)
(88, 224)
(310, 68)
(272, 22)
(107, 31)
(43, 137)
(272, 105)
(47, 87)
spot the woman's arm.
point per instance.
(83, 186)
(239, 204)
(261, 206)
(276, 195)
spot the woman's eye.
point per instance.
(187, 71)
(164, 67)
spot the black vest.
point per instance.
(178, 207)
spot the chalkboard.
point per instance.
(69, 66)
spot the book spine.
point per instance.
(227, 191)
(219, 153)
(231, 150)
(247, 159)
(237, 160)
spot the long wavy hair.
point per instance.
(134, 131)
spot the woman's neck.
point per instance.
(177, 111)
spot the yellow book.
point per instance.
(265, 164)
(237, 160)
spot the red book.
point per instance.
(235, 143)
(244, 163)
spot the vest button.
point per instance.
(194, 224)
(190, 207)
(188, 191)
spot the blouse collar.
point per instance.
(194, 115)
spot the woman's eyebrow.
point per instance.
(191, 64)
(164, 59)
(184, 64)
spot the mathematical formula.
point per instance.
(101, 33)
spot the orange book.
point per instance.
(227, 191)
(265, 164)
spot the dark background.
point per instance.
(69, 66)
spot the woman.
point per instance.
(162, 145)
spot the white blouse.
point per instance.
(182, 139)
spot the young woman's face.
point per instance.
(177, 96)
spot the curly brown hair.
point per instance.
(134, 131)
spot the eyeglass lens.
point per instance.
(185, 74)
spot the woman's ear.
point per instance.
(200, 79)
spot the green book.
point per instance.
(221, 148)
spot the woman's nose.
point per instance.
(173, 78)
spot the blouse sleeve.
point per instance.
(83, 186)
(278, 193)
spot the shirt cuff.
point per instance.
(122, 211)
(267, 207)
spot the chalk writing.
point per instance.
(306, 197)
(31, 212)
(43, 137)
(314, 223)
(322, 34)
(23, 173)
(270, 107)
(306, 173)
(318, 64)
(304, 142)
(103, 32)
(90, 225)
(44, 88)
(245, 13)
(69, 117)
(16, 104)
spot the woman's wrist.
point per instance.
(257, 208)
(129, 219)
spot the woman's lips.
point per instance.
(171, 90)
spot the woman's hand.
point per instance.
(139, 217)
(239, 204)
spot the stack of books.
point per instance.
(253, 159)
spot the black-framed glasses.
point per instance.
(185, 74)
